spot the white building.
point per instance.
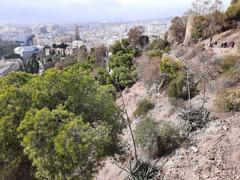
(27, 51)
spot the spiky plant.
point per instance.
(142, 170)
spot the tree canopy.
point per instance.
(58, 125)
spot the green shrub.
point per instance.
(233, 76)
(228, 100)
(103, 76)
(178, 29)
(157, 140)
(198, 28)
(177, 89)
(143, 107)
(229, 62)
(233, 11)
(216, 23)
(170, 66)
(141, 170)
(154, 53)
(158, 44)
(194, 117)
(124, 73)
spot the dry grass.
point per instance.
(148, 70)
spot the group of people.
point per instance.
(223, 45)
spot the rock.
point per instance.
(194, 149)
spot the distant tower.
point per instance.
(77, 35)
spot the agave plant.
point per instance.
(141, 170)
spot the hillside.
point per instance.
(212, 152)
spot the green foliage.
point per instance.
(31, 65)
(155, 53)
(157, 140)
(228, 100)
(228, 63)
(137, 39)
(178, 29)
(7, 49)
(146, 133)
(169, 138)
(158, 44)
(123, 70)
(141, 170)
(58, 143)
(216, 22)
(124, 47)
(233, 11)
(170, 66)
(60, 123)
(143, 107)
(175, 88)
(194, 117)
(103, 76)
(198, 28)
(13, 105)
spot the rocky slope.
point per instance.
(211, 153)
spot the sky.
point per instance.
(74, 11)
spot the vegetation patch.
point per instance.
(228, 100)
(141, 170)
(194, 117)
(157, 139)
(170, 66)
(143, 107)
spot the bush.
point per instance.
(102, 76)
(194, 117)
(177, 88)
(158, 44)
(233, 12)
(216, 23)
(154, 53)
(178, 29)
(141, 170)
(157, 140)
(228, 100)
(59, 118)
(228, 62)
(143, 107)
(124, 73)
(170, 66)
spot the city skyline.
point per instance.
(83, 11)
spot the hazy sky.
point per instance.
(27, 11)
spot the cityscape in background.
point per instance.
(91, 33)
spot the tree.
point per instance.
(123, 70)
(178, 29)
(200, 7)
(31, 65)
(81, 53)
(233, 11)
(13, 105)
(136, 38)
(38, 114)
(60, 145)
(134, 35)
(103, 76)
(216, 6)
(234, 2)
